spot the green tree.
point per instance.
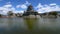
(53, 13)
(35, 13)
(0, 15)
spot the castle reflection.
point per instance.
(31, 22)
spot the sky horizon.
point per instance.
(19, 6)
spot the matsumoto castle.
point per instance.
(30, 12)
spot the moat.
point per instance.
(29, 26)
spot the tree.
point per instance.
(35, 13)
(53, 13)
(0, 15)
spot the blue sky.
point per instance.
(35, 2)
(21, 5)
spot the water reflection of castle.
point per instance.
(30, 11)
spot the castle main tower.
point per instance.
(30, 8)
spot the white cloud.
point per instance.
(53, 4)
(27, 3)
(23, 6)
(47, 8)
(39, 6)
(7, 6)
(4, 9)
(20, 11)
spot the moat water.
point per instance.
(30, 26)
